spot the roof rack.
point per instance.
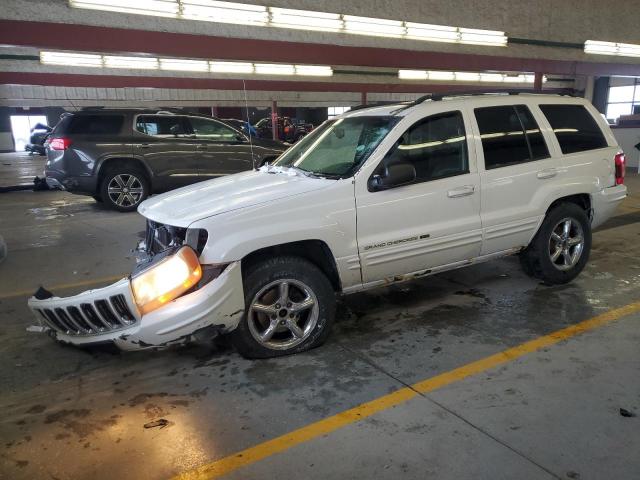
(441, 96)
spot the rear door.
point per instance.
(435, 220)
(516, 170)
(168, 149)
(221, 150)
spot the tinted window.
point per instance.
(205, 128)
(509, 136)
(95, 124)
(533, 134)
(436, 146)
(160, 125)
(574, 127)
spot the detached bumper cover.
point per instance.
(110, 314)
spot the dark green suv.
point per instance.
(122, 156)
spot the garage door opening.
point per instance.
(21, 126)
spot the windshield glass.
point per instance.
(338, 147)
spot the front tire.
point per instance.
(560, 249)
(290, 307)
(124, 188)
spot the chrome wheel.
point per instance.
(125, 190)
(566, 244)
(283, 314)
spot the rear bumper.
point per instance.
(61, 181)
(605, 202)
(220, 303)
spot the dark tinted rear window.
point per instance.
(95, 124)
(575, 128)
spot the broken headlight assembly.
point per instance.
(166, 279)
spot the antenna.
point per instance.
(246, 108)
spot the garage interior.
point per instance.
(480, 372)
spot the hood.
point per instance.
(186, 205)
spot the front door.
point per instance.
(432, 221)
(221, 149)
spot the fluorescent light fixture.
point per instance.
(231, 67)
(184, 65)
(432, 33)
(489, 77)
(610, 48)
(274, 69)
(474, 36)
(137, 63)
(377, 27)
(71, 59)
(305, 20)
(413, 74)
(225, 12)
(314, 70)
(160, 8)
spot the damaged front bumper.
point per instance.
(110, 314)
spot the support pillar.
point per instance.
(214, 112)
(274, 119)
(537, 82)
(363, 98)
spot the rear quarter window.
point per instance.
(95, 124)
(574, 127)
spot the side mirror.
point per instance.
(241, 138)
(395, 175)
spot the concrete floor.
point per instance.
(70, 413)
(20, 168)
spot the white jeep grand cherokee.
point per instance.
(379, 195)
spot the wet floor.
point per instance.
(72, 413)
(20, 168)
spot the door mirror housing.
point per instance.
(394, 175)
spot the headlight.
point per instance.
(166, 280)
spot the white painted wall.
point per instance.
(627, 138)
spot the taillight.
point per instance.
(59, 143)
(619, 161)
(287, 129)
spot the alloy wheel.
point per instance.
(125, 190)
(566, 244)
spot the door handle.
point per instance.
(547, 173)
(144, 145)
(461, 191)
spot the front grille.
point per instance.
(100, 316)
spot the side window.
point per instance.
(509, 136)
(575, 128)
(96, 124)
(160, 125)
(212, 130)
(436, 146)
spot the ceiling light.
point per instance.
(492, 77)
(71, 59)
(413, 74)
(274, 69)
(184, 65)
(305, 20)
(467, 76)
(145, 63)
(224, 12)
(373, 26)
(438, 75)
(161, 8)
(476, 36)
(610, 48)
(433, 33)
(231, 67)
(314, 70)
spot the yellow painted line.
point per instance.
(325, 426)
(64, 286)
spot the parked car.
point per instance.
(121, 156)
(288, 131)
(244, 127)
(39, 134)
(374, 197)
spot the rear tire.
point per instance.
(560, 249)
(124, 188)
(289, 308)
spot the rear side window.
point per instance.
(212, 130)
(510, 135)
(168, 125)
(95, 124)
(575, 128)
(436, 146)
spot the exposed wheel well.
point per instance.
(120, 162)
(583, 200)
(315, 251)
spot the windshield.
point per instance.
(338, 147)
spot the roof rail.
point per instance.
(441, 96)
